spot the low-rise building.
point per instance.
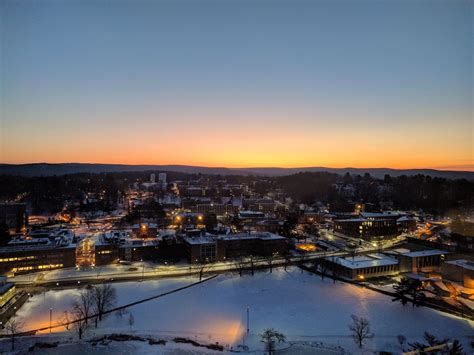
(421, 261)
(22, 259)
(209, 248)
(364, 266)
(7, 290)
(203, 249)
(461, 271)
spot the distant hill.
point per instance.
(45, 169)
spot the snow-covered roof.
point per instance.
(465, 264)
(361, 262)
(431, 252)
(262, 235)
(405, 219)
(379, 214)
(200, 240)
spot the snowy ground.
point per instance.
(300, 305)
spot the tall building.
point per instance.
(152, 178)
(162, 180)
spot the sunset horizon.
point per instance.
(259, 177)
(460, 168)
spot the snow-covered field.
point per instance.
(300, 305)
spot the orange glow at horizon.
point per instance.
(244, 140)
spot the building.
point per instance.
(14, 217)
(188, 220)
(106, 253)
(7, 291)
(421, 261)
(23, 259)
(162, 178)
(209, 248)
(364, 266)
(260, 244)
(145, 230)
(369, 225)
(203, 249)
(461, 271)
(152, 178)
(219, 209)
(139, 250)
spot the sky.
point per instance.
(238, 83)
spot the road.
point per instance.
(143, 270)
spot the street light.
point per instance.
(50, 318)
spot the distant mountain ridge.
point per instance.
(46, 169)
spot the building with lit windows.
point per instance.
(23, 259)
(7, 291)
(209, 248)
(369, 225)
(363, 266)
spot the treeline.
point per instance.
(438, 196)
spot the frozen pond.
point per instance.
(300, 305)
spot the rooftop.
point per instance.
(431, 252)
(465, 264)
(262, 236)
(361, 262)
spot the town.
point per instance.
(90, 229)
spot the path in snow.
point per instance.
(300, 305)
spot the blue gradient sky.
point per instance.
(238, 83)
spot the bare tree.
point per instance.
(287, 262)
(323, 268)
(302, 261)
(104, 297)
(66, 320)
(82, 308)
(13, 327)
(269, 259)
(269, 336)
(79, 324)
(252, 266)
(239, 266)
(360, 330)
(201, 268)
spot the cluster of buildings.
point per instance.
(208, 220)
(432, 266)
(373, 225)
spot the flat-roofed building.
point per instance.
(461, 271)
(364, 266)
(203, 249)
(209, 248)
(421, 261)
(260, 243)
(369, 225)
(23, 259)
(7, 290)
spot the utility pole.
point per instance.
(248, 319)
